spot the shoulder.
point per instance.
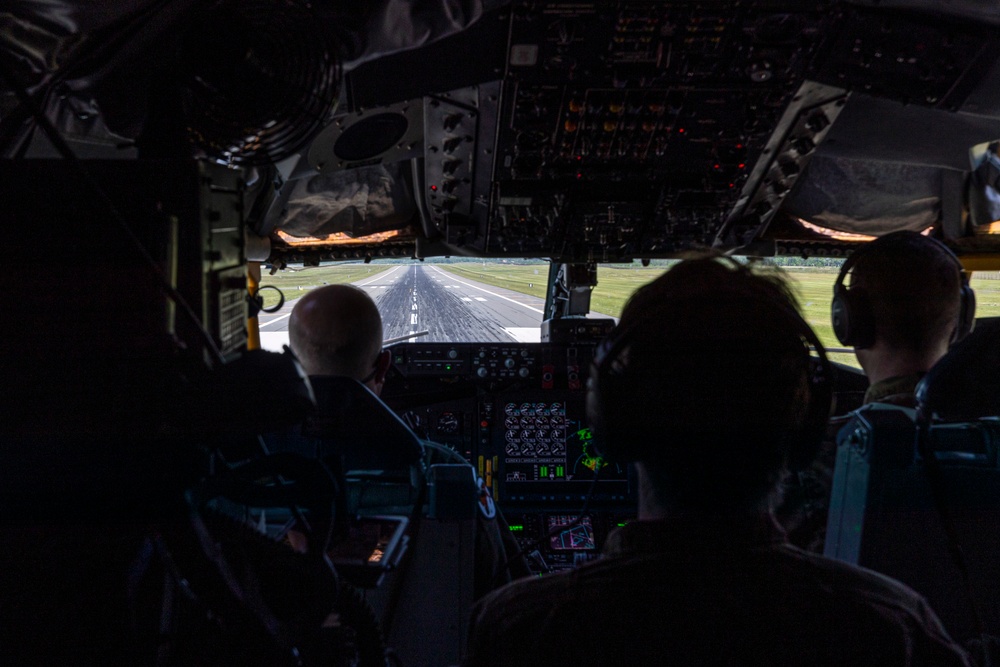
(871, 594)
(507, 622)
(528, 596)
(790, 608)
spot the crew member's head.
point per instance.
(337, 330)
(707, 385)
(903, 306)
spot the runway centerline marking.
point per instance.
(499, 296)
(479, 298)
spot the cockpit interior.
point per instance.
(155, 155)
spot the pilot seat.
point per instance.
(423, 513)
(916, 493)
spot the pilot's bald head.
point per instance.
(337, 330)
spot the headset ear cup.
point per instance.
(595, 411)
(853, 317)
(817, 418)
(840, 315)
(612, 435)
(966, 311)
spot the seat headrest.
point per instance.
(965, 384)
(257, 392)
(354, 421)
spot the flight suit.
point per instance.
(716, 592)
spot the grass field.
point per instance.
(813, 286)
(295, 283)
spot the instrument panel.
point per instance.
(517, 412)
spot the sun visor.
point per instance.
(355, 202)
(858, 196)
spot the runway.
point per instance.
(415, 298)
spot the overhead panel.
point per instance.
(645, 129)
(630, 130)
(607, 131)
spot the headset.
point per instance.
(621, 438)
(853, 315)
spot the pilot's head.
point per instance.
(707, 385)
(337, 330)
(904, 301)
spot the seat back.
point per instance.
(965, 384)
(424, 604)
(363, 441)
(884, 515)
(354, 422)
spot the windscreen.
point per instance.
(504, 300)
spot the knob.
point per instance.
(789, 168)
(523, 372)
(453, 354)
(509, 363)
(818, 122)
(803, 145)
(760, 71)
(482, 371)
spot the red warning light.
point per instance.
(741, 165)
(715, 166)
(738, 146)
(579, 157)
(579, 175)
(434, 188)
(680, 130)
(484, 424)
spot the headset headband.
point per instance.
(852, 314)
(855, 255)
(820, 373)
